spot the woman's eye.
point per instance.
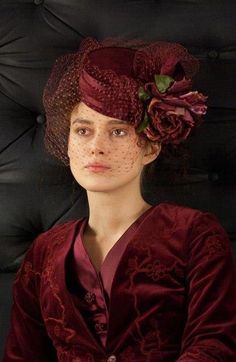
(119, 132)
(82, 131)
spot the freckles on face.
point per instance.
(98, 138)
(126, 155)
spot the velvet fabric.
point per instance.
(95, 285)
(172, 296)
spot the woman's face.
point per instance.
(105, 153)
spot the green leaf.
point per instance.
(143, 95)
(163, 82)
(144, 123)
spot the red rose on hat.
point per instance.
(172, 110)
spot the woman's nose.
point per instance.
(98, 144)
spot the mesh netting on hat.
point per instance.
(109, 86)
(164, 58)
(108, 79)
(61, 94)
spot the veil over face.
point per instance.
(106, 153)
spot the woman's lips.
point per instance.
(95, 167)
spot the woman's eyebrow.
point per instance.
(82, 121)
(117, 121)
(86, 121)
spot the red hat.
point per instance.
(148, 86)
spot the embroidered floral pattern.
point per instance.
(156, 270)
(147, 336)
(71, 355)
(215, 246)
(27, 270)
(57, 327)
(25, 273)
(66, 334)
(213, 237)
(153, 269)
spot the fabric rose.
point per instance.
(172, 109)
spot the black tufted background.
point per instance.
(36, 191)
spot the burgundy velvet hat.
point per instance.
(148, 86)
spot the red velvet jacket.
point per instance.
(173, 296)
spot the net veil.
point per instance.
(119, 81)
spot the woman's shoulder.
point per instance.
(198, 228)
(177, 211)
(58, 230)
(57, 238)
(191, 220)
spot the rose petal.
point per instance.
(180, 86)
(199, 109)
(193, 97)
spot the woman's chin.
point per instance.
(97, 186)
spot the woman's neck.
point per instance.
(115, 211)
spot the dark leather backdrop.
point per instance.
(36, 191)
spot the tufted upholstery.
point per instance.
(36, 191)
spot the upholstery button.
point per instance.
(89, 297)
(38, 2)
(213, 177)
(40, 119)
(213, 54)
(112, 358)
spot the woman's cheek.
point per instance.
(129, 159)
(79, 148)
(133, 153)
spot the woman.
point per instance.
(132, 282)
